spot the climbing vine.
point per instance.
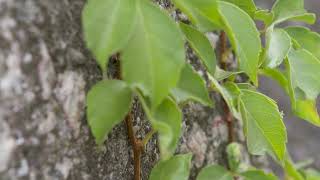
(149, 45)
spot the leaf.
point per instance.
(175, 168)
(168, 122)
(202, 13)
(284, 10)
(247, 5)
(306, 39)
(257, 175)
(234, 156)
(312, 174)
(191, 87)
(277, 76)
(107, 104)
(221, 74)
(291, 172)
(108, 25)
(244, 37)
(201, 45)
(278, 46)
(263, 124)
(155, 56)
(264, 15)
(229, 92)
(215, 172)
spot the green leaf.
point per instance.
(293, 10)
(244, 37)
(306, 39)
(168, 122)
(191, 87)
(229, 92)
(263, 125)
(312, 174)
(278, 76)
(278, 46)
(234, 156)
(108, 25)
(201, 45)
(264, 15)
(257, 175)
(155, 56)
(291, 172)
(107, 104)
(202, 13)
(247, 5)
(221, 74)
(175, 168)
(215, 172)
(303, 70)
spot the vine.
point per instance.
(149, 46)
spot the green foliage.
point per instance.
(108, 102)
(263, 124)
(244, 37)
(150, 45)
(214, 172)
(174, 168)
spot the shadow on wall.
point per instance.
(304, 138)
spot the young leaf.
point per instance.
(108, 25)
(154, 57)
(221, 74)
(263, 124)
(201, 46)
(215, 172)
(257, 175)
(168, 121)
(264, 15)
(175, 168)
(306, 39)
(247, 5)
(291, 172)
(312, 174)
(278, 46)
(234, 156)
(107, 104)
(244, 37)
(284, 10)
(191, 87)
(202, 13)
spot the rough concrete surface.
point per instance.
(45, 72)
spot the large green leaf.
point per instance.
(247, 5)
(175, 168)
(215, 172)
(304, 84)
(191, 87)
(168, 122)
(107, 104)
(154, 57)
(108, 26)
(201, 45)
(202, 13)
(257, 175)
(284, 10)
(244, 37)
(306, 39)
(263, 125)
(278, 46)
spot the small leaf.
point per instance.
(234, 156)
(284, 10)
(191, 87)
(108, 25)
(257, 175)
(306, 39)
(247, 5)
(201, 46)
(168, 122)
(291, 172)
(215, 172)
(278, 46)
(155, 55)
(175, 168)
(312, 174)
(244, 37)
(221, 74)
(107, 104)
(202, 13)
(263, 125)
(264, 15)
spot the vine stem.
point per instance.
(228, 115)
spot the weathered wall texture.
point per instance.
(45, 72)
